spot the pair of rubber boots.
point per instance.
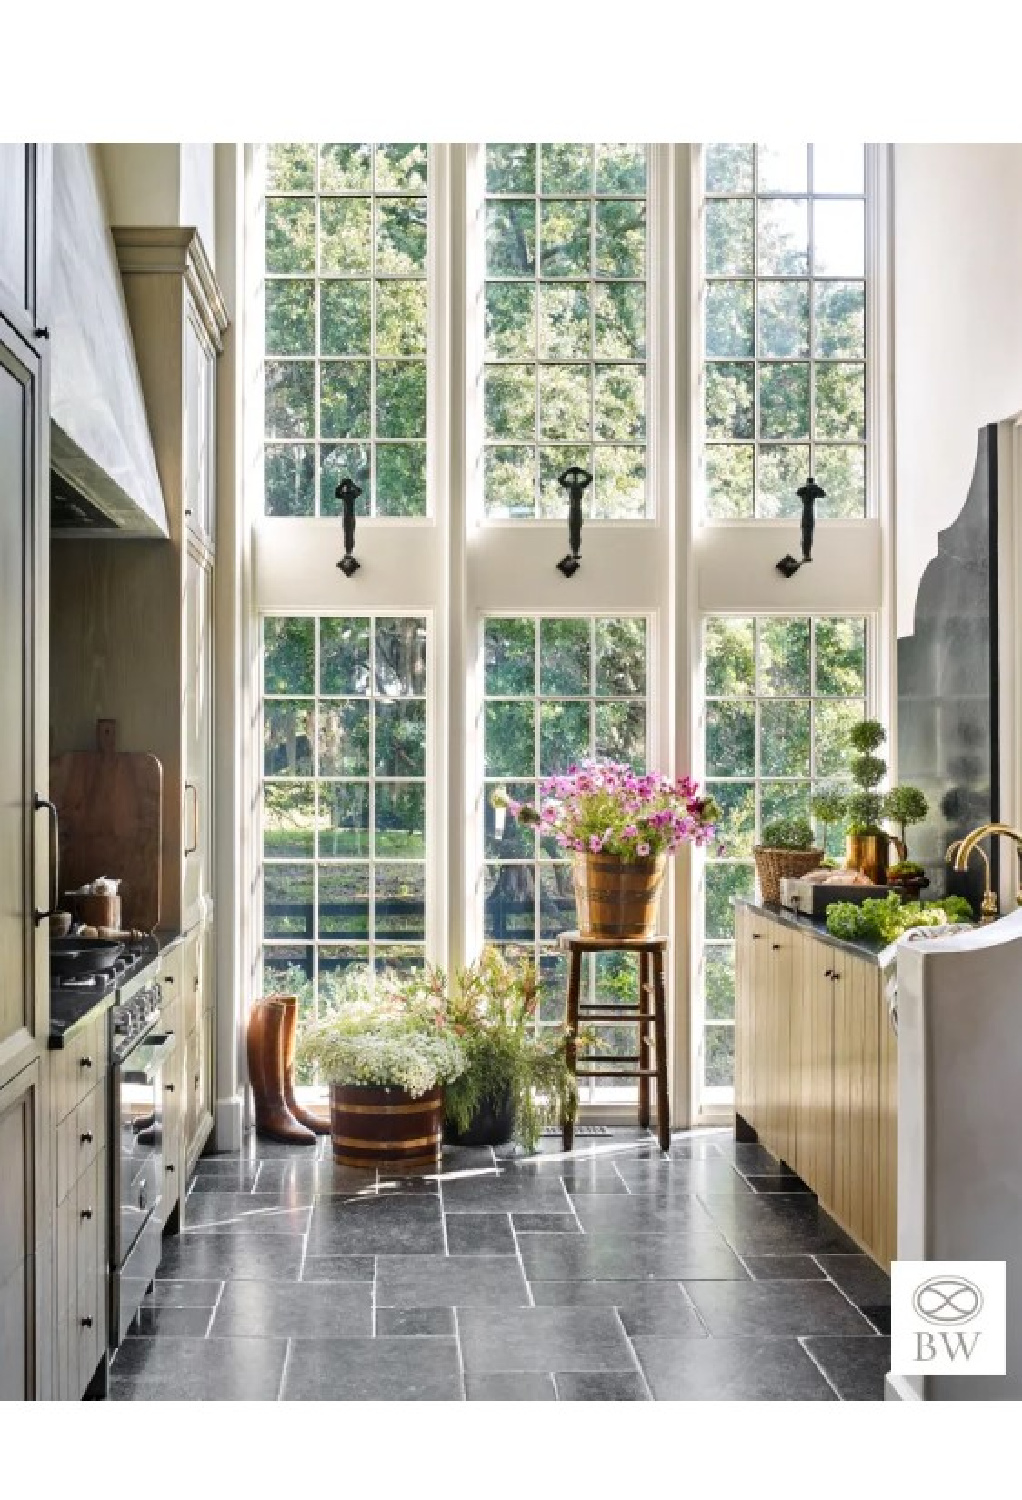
(272, 1031)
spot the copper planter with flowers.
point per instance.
(618, 898)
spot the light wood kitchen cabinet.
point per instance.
(816, 1071)
(25, 173)
(25, 1146)
(133, 626)
(79, 1126)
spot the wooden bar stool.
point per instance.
(651, 986)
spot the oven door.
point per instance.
(137, 1227)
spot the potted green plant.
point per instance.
(830, 808)
(516, 1076)
(868, 840)
(905, 805)
(387, 1050)
(786, 849)
(619, 826)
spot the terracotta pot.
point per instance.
(386, 1127)
(618, 898)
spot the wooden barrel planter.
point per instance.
(385, 1127)
(618, 898)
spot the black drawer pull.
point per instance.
(86, 1321)
(170, 1166)
(168, 979)
(169, 1087)
(86, 1213)
(86, 1137)
(85, 1062)
(756, 936)
(776, 947)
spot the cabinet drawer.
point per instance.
(91, 1268)
(90, 1129)
(90, 1057)
(192, 982)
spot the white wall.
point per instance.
(957, 332)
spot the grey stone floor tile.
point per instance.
(450, 1281)
(224, 1174)
(565, 1223)
(233, 1257)
(855, 1367)
(789, 1308)
(189, 1369)
(764, 1224)
(505, 1192)
(241, 1213)
(613, 1257)
(339, 1268)
(379, 1369)
(479, 1234)
(186, 1322)
(777, 1182)
(294, 1310)
(745, 1369)
(658, 1308)
(168, 1293)
(516, 1385)
(601, 1385)
(859, 1277)
(783, 1267)
(542, 1338)
(681, 1177)
(643, 1214)
(409, 1322)
(398, 1225)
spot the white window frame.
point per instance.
(454, 566)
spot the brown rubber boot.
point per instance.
(320, 1123)
(266, 1074)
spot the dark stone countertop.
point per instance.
(859, 947)
(69, 1012)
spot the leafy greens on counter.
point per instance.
(881, 922)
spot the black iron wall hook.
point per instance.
(347, 492)
(808, 494)
(576, 481)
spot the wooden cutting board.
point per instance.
(110, 806)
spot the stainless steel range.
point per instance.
(138, 1051)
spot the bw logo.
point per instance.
(944, 1322)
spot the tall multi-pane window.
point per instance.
(781, 696)
(343, 797)
(565, 339)
(557, 690)
(784, 313)
(346, 318)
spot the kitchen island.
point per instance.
(816, 1066)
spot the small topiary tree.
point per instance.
(830, 807)
(866, 806)
(905, 805)
(788, 833)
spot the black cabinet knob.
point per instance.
(86, 1213)
(168, 979)
(85, 1062)
(756, 936)
(775, 947)
(41, 333)
(169, 1087)
(170, 1166)
(86, 1137)
(86, 1321)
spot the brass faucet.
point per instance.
(988, 908)
(970, 842)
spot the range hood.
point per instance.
(104, 478)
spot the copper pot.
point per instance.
(867, 852)
(98, 911)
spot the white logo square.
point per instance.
(948, 1317)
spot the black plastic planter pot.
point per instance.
(491, 1125)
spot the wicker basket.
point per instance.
(618, 898)
(772, 865)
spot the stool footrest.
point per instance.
(605, 1014)
(617, 1073)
